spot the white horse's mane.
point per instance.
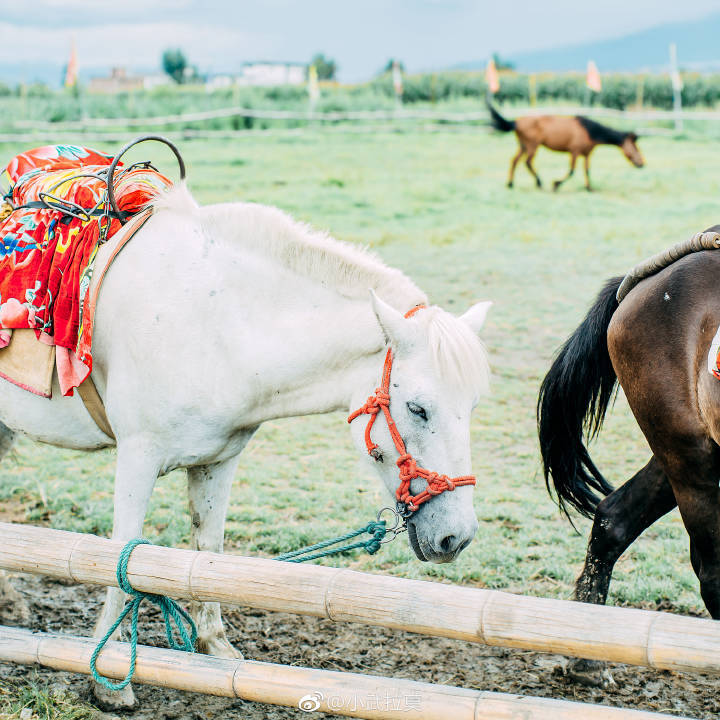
(350, 270)
(266, 230)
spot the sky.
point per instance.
(218, 36)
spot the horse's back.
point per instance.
(556, 132)
(659, 339)
(144, 304)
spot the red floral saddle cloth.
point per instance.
(47, 255)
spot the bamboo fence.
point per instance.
(347, 694)
(624, 635)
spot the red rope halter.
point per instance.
(409, 469)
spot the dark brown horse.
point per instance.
(576, 135)
(655, 343)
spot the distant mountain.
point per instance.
(53, 74)
(697, 44)
(49, 73)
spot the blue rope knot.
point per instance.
(378, 531)
(171, 611)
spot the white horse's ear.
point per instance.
(395, 327)
(475, 316)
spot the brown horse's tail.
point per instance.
(497, 120)
(571, 407)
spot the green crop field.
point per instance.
(435, 205)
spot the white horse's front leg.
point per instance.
(13, 607)
(209, 493)
(135, 475)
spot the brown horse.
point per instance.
(655, 342)
(577, 135)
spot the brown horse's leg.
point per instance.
(558, 183)
(528, 161)
(586, 159)
(619, 520)
(513, 164)
(699, 504)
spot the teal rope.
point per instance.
(172, 613)
(376, 529)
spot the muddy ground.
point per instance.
(294, 640)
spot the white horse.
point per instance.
(213, 320)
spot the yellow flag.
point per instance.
(313, 86)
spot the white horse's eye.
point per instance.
(417, 410)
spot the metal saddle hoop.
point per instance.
(112, 204)
(48, 200)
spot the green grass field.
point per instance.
(435, 205)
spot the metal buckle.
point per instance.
(398, 526)
(404, 510)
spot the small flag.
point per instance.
(491, 76)
(593, 77)
(72, 68)
(397, 79)
(313, 86)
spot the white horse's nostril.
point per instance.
(448, 544)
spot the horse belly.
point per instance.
(61, 421)
(560, 142)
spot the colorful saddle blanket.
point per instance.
(46, 255)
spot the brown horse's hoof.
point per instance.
(588, 188)
(538, 184)
(510, 185)
(556, 185)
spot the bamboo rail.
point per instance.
(352, 115)
(636, 637)
(348, 694)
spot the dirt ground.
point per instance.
(295, 640)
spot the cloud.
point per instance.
(219, 35)
(136, 44)
(128, 6)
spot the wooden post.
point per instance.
(625, 635)
(640, 94)
(677, 87)
(532, 89)
(347, 694)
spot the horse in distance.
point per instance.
(576, 135)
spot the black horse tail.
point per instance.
(497, 120)
(574, 397)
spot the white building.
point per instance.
(272, 73)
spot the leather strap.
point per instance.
(94, 404)
(106, 254)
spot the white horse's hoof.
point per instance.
(591, 673)
(114, 700)
(14, 609)
(219, 647)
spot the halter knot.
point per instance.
(408, 468)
